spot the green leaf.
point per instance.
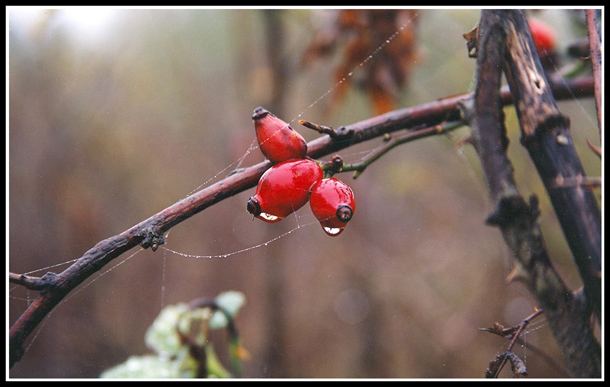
(162, 336)
(173, 359)
(215, 367)
(151, 367)
(231, 302)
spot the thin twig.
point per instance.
(509, 333)
(390, 142)
(320, 128)
(31, 283)
(522, 326)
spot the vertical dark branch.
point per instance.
(546, 135)
(487, 120)
(518, 220)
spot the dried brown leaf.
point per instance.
(361, 33)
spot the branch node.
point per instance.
(48, 281)
(151, 239)
(506, 210)
(337, 162)
(466, 109)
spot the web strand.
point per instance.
(240, 251)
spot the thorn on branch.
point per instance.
(471, 41)
(573, 181)
(467, 139)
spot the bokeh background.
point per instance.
(115, 114)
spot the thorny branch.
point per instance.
(505, 44)
(149, 233)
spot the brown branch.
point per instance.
(149, 233)
(545, 133)
(501, 36)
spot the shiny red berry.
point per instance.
(277, 139)
(283, 189)
(333, 204)
(543, 36)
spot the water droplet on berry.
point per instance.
(269, 217)
(333, 231)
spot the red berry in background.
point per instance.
(543, 36)
(277, 139)
(333, 204)
(283, 189)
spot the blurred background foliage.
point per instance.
(115, 114)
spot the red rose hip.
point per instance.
(277, 139)
(333, 204)
(283, 189)
(543, 36)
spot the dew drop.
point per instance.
(350, 73)
(268, 217)
(333, 231)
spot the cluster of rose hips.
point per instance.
(295, 179)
